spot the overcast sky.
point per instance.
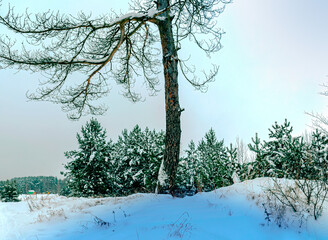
(271, 66)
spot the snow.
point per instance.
(235, 178)
(233, 212)
(92, 61)
(162, 176)
(150, 14)
(131, 15)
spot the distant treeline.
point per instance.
(39, 184)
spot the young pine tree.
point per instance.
(215, 166)
(318, 156)
(138, 155)
(282, 155)
(234, 164)
(288, 154)
(279, 137)
(89, 171)
(9, 192)
(188, 175)
(261, 167)
(155, 146)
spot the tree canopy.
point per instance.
(119, 47)
(107, 47)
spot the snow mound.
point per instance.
(234, 212)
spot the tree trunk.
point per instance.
(172, 107)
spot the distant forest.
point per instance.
(39, 184)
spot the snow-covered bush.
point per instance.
(51, 214)
(302, 197)
(9, 192)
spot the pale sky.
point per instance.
(271, 66)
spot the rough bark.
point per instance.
(172, 106)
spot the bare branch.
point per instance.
(110, 46)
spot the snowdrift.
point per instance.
(240, 211)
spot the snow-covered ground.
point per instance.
(234, 212)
